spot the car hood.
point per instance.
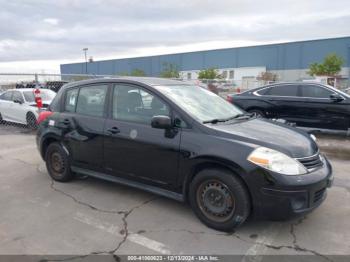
(291, 141)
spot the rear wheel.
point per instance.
(58, 163)
(219, 199)
(31, 121)
(257, 113)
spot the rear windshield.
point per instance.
(46, 95)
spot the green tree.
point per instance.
(137, 72)
(210, 73)
(330, 66)
(170, 71)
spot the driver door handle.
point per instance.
(113, 130)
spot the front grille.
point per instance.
(319, 194)
(311, 162)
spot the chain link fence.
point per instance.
(18, 104)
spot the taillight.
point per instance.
(43, 115)
(229, 98)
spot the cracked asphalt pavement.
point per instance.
(89, 216)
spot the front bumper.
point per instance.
(295, 195)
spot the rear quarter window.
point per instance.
(55, 104)
(315, 91)
(71, 100)
(263, 91)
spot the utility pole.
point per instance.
(86, 63)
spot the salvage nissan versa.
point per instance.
(183, 142)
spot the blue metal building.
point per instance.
(293, 57)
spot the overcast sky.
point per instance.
(37, 35)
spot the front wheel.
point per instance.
(219, 199)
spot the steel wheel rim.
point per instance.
(216, 201)
(57, 163)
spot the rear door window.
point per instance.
(17, 96)
(283, 90)
(315, 91)
(91, 100)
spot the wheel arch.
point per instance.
(31, 112)
(218, 163)
(45, 144)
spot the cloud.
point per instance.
(32, 30)
(51, 21)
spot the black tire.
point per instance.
(1, 120)
(58, 163)
(258, 113)
(234, 198)
(31, 121)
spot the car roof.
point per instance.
(20, 89)
(295, 83)
(26, 89)
(283, 83)
(151, 81)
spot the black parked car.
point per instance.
(186, 143)
(309, 105)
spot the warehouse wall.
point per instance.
(288, 56)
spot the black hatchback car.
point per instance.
(310, 105)
(185, 143)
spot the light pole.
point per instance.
(85, 53)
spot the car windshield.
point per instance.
(200, 103)
(46, 95)
(338, 90)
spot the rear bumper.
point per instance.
(284, 202)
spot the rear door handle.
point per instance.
(113, 130)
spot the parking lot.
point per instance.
(88, 216)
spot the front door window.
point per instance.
(134, 104)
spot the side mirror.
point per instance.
(161, 122)
(336, 97)
(17, 101)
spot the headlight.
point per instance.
(276, 161)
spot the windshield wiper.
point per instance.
(217, 120)
(243, 116)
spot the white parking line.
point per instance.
(149, 243)
(114, 230)
(91, 221)
(267, 236)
